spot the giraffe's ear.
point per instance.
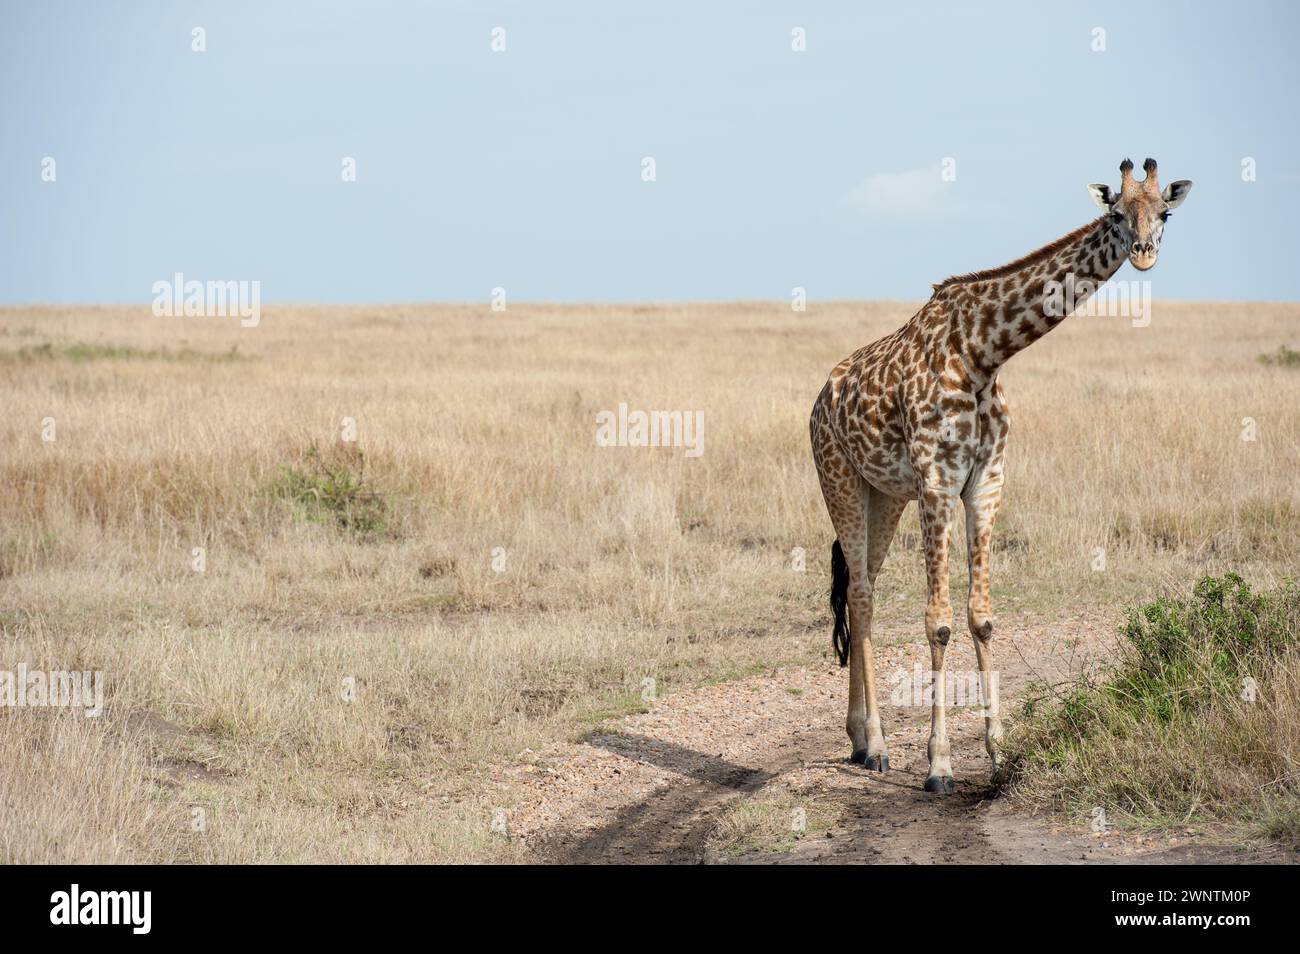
(1102, 195)
(1175, 192)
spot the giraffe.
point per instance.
(920, 415)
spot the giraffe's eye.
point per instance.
(1164, 216)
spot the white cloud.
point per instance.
(916, 192)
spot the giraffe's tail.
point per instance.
(840, 602)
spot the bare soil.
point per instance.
(653, 788)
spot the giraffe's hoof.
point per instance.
(940, 784)
(876, 763)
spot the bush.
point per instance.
(333, 491)
(1197, 720)
(1284, 358)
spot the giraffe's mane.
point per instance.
(1033, 258)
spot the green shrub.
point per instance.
(1191, 722)
(82, 352)
(1284, 357)
(333, 491)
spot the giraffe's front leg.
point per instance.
(938, 507)
(981, 508)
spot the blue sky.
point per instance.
(523, 168)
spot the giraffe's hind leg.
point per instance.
(864, 521)
(883, 513)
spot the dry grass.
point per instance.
(225, 688)
(771, 822)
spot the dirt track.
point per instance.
(654, 789)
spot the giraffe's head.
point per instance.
(1140, 210)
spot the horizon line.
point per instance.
(586, 303)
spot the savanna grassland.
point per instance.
(369, 626)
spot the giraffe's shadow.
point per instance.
(682, 760)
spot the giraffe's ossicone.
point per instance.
(919, 415)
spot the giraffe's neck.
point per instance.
(1003, 311)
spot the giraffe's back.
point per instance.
(862, 407)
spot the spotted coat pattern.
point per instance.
(920, 415)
